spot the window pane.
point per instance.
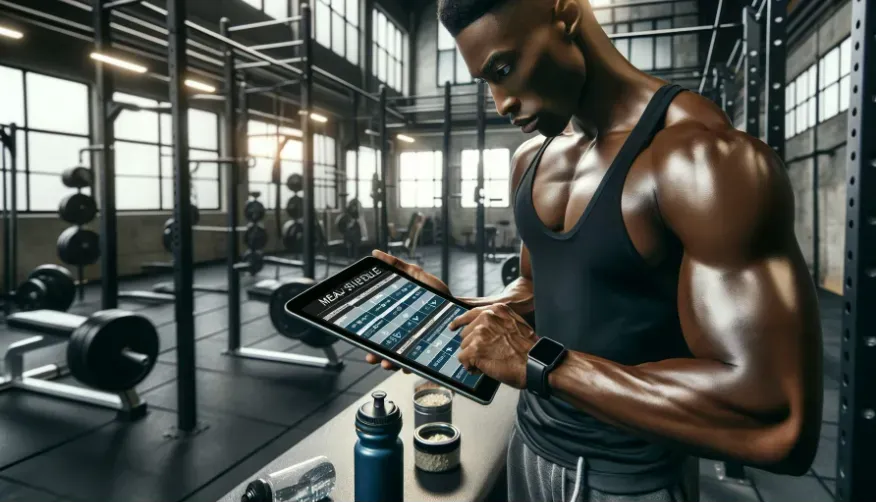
(338, 6)
(462, 74)
(789, 125)
(846, 57)
(45, 192)
(12, 91)
(206, 170)
(802, 87)
(408, 194)
(445, 67)
(399, 44)
(469, 165)
(425, 197)
(831, 66)
(831, 101)
(381, 65)
(811, 110)
(789, 96)
(323, 25)
(338, 31)
(203, 129)
(56, 104)
(822, 81)
(136, 159)
(445, 40)
(468, 188)
(138, 193)
(623, 46)
(50, 153)
(277, 9)
(352, 13)
(497, 189)
(140, 126)
(381, 29)
(207, 192)
(844, 93)
(663, 52)
(642, 53)
(352, 44)
(812, 81)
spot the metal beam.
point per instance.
(310, 236)
(753, 71)
(672, 31)
(445, 185)
(481, 239)
(262, 24)
(776, 61)
(856, 443)
(712, 40)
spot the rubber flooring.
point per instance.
(250, 412)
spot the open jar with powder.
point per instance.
(433, 405)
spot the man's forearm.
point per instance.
(518, 295)
(706, 407)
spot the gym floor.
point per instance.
(253, 411)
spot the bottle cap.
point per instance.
(257, 490)
(379, 412)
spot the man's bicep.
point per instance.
(525, 264)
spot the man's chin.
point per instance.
(550, 128)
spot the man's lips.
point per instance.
(530, 126)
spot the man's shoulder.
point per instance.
(523, 157)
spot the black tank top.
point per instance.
(595, 294)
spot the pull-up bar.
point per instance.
(672, 31)
(261, 24)
(261, 64)
(431, 96)
(277, 45)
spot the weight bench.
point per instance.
(111, 351)
(410, 238)
(167, 286)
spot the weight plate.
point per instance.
(295, 208)
(32, 295)
(77, 209)
(113, 350)
(293, 236)
(77, 177)
(78, 246)
(510, 270)
(291, 327)
(255, 237)
(295, 183)
(60, 286)
(254, 211)
(167, 235)
(256, 261)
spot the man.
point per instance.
(675, 313)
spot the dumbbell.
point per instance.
(47, 287)
(111, 350)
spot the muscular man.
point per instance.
(659, 256)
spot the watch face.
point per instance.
(546, 351)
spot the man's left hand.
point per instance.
(495, 341)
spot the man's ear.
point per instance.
(568, 14)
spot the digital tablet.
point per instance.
(388, 313)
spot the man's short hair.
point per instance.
(456, 15)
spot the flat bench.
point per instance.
(485, 433)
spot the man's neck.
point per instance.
(616, 93)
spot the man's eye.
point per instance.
(503, 71)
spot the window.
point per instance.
(646, 53)
(497, 171)
(361, 167)
(420, 175)
(277, 9)
(336, 25)
(451, 66)
(144, 158)
(48, 142)
(834, 76)
(390, 52)
(263, 143)
(800, 103)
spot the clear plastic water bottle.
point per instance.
(312, 480)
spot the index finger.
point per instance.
(465, 319)
(393, 261)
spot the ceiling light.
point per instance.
(318, 118)
(7, 32)
(405, 138)
(127, 65)
(200, 86)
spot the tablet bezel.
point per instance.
(486, 388)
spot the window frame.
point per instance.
(792, 112)
(456, 57)
(824, 86)
(377, 48)
(487, 179)
(347, 25)
(435, 181)
(627, 52)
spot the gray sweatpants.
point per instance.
(533, 478)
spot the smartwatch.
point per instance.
(543, 358)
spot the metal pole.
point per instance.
(309, 248)
(856, 446)
(183, 263)
(753, 71)
(712, 40)
(105, 162)
(776, 61)
(384, 172)
(481, 241)
(13, 211)
(445, 186)
(816, 217)
(233, 178)
(7, 242)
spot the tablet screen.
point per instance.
(387, 309)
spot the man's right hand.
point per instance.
(418, 274)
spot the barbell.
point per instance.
(111, 350)
(47, 287)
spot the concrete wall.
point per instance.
(835, 27)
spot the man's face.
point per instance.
(535, 71)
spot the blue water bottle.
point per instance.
(379, 452)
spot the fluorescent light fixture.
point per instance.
(127, 65)
(318, 118)
(7, 32)
(405, 138)
(200, 86)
